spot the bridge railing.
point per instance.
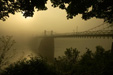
(85, 33)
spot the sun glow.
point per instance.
(25, 18)
(28, 17)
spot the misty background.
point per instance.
(23, 29)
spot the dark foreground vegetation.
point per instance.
(98, 63)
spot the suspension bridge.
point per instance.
(102, 30)
(46, 44)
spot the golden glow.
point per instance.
(28, 18)
(51, 19)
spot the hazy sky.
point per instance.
(51, 19)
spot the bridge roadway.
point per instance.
(83, 34)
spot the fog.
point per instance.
(24, 29)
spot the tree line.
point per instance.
(90, 63)
(102, 9)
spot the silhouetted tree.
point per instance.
(25, 6)
(98, 63)
(102, 9)
(6, 44)
(34, 66)
(65, 64)
(98, 8)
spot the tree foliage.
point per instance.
(66, 64)
(6, 44)
(97, 63)
(102, 9)
(34, 66)
(25, 6)
(98, 8)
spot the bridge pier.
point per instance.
(45, 32)
(112, 48)
(51, 33)
(46, 48)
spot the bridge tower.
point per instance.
(45, 32)
(51, 33)
(46, 47)
(112, 48)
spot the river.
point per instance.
(81, 44)
(60, 45)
